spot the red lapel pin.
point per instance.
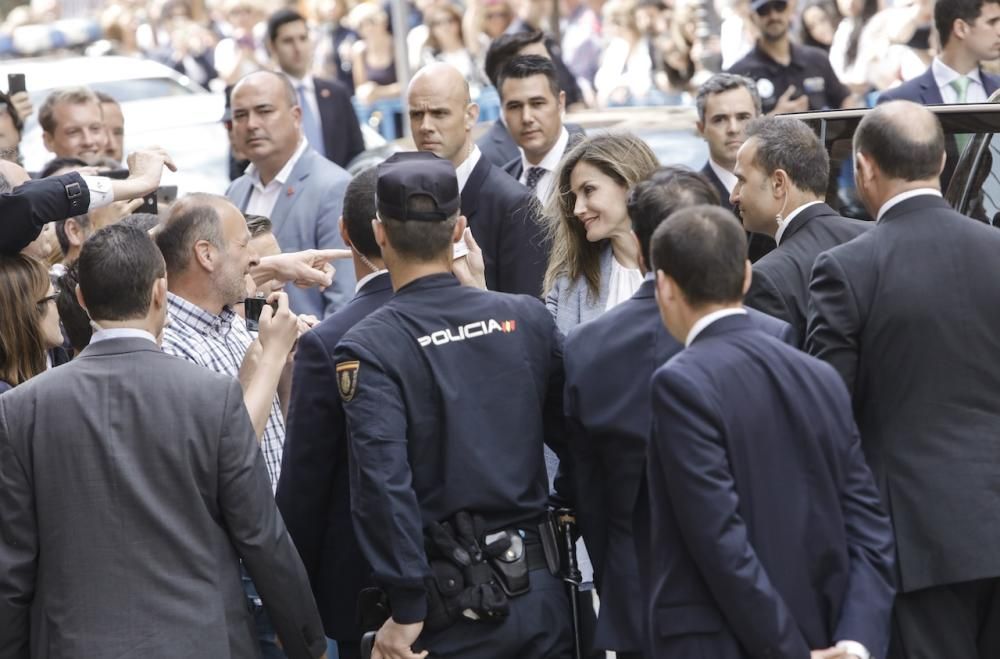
(290, 191)
(325, 93)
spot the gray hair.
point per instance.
(790, 145)
(193, 218)
(724, 82)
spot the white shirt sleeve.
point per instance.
(101, 193)
(855, 648)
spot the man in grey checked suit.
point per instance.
(131, 485)
(288, 181)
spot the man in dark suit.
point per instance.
(726, 103)
(136, 540)
(314, 490)
(532, 107)
(502, 214)
(766, 537)
(33, 204)
(328, 119)
(907, 314)
(782, 171)
(608, 434)
(497, 145)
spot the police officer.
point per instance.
(449, 392)
(790, 77)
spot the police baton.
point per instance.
(566, 520)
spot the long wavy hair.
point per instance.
(23, 282)
(624, 158)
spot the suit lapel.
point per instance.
(929, 92)
(990, 82)
(470, 193)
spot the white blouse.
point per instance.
(623, 284)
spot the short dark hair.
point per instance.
(417, 239)
(359, 211)
(279, 19)
(666, 191)
(526, 66)
(117, 267)
(946, 12)
(789, 144)
(142, 221)
(17, 119)
(54, 165)
(900, 151)
(721, 83)
(74, 318)
(258, 225)
(704, 250)
(505, 47)
(82, 220)
(194, 219)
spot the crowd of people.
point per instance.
(422, 400)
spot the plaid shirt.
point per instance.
(220, 343)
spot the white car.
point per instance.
(161, 108)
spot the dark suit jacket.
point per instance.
(25, 210)
(497, 145)
(516, 166)
(125, 516)
(780, 285)
(907, 314)
(766, 535)
(608, 436)
(758, 244)
(342, 137)
(314, 488)
(504, 218)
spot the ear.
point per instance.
(159, 297)
(80, 300)
(297, 115)
(700, 125)
(47, 141)
(864, 168)
(747, 276)
(343, 232)
(74, 233)
(562, 102)
(459, 231)
(379, 230)
(471, 115)
(780, 183)
(664, 286)
(944, 158)
(204, 254)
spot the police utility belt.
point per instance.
(477, 571)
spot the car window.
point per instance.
(983, 201)
(136, 89)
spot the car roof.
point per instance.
(43, 73)
(833, 125)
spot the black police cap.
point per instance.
(405, 175)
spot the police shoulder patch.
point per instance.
(347, 379)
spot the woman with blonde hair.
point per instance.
(594, 262)
(29, 322)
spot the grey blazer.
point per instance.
(571, 303)
(131, 485)
(306, 216)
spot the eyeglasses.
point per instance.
(443, 21)
(48, 298)
(778, 6)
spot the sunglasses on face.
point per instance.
(778, 6)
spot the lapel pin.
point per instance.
(325, 93)
(290, 191)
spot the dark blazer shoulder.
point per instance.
(922, 89)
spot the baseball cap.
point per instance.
(405, 175)
(757, 5)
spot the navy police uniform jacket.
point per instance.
(449, 392)
(609, 364)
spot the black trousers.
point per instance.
(956, 621)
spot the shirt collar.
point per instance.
(551, 160)
(464, 171)
(186, 313)
(788, 220)
(367, 278)
(727, 177)
(120, 333)
(708, 319)
(944, 75)
(900, 198)
(284, 173)
(306, 82)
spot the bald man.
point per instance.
(288, 181)
(908, 314)
(502, 214)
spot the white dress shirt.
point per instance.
(708, 319)
(101, 193)
(464, 171)
(788, 220)
(549, 163)
(727, 177)
(264, 197)
(944, 75)
(367, 278)
(120, 333)
(903, 196)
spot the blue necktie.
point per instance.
(310, 124)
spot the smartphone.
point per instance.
(15, 83)
(166, 195)
(459, 249)
(252, 306)
(367, 645)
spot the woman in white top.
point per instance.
(446, 43)
(625, 76)
(594, 262)
(851, 52)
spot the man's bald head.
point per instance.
(904, 140)
(441, 112)
(11, 176)
(278, 84)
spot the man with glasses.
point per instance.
(790, 77)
